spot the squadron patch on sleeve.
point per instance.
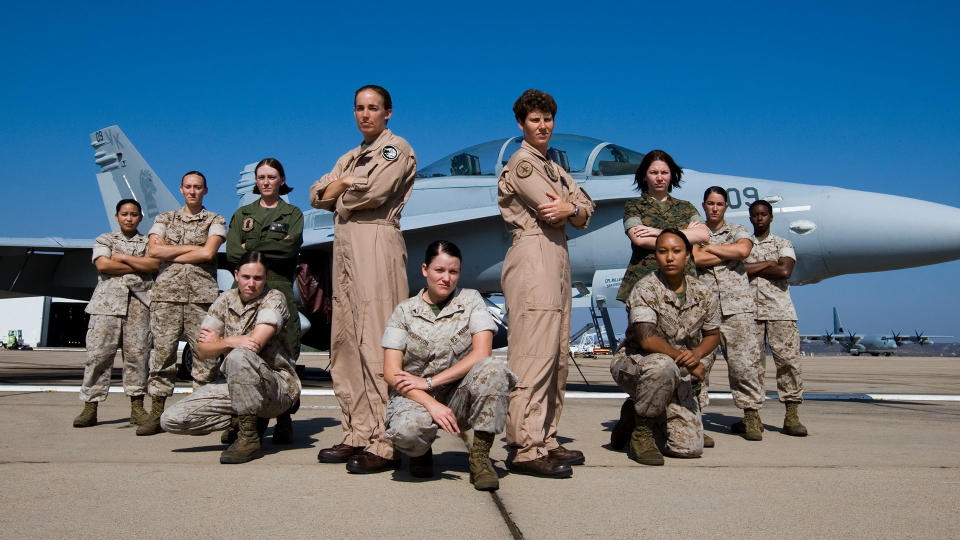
(390, 152)
(247, 225)
(524, 169)
(552, 171)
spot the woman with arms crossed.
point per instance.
(437, 358)
(366, 189)
(119, 316)
(720, 266)
(643, 220)
(537, 200)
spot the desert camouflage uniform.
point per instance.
(119, 316)
(659, 387)
(738, 339)
(265, 385)
(432, 343)
(181, 296)
(645, 210)
(777, 319)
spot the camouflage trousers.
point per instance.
(738, 341)
(105, 334)
(251, 387)
(662, 390)
(784, 340)
(169, 321)
(480, 402)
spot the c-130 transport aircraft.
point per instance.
(835, 231)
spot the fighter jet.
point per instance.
(873, 344)
(835, 231)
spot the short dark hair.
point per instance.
(676, 232)
(129, 201)
(761, 202)
(441, 246)
(198, 173)
(534, 100)
(718, 190)
(273, 163)
(657, 155)
(387, 102)
(251, 257)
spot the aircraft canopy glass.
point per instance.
(577, 154)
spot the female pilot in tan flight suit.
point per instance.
(366, 189)
(537, 199)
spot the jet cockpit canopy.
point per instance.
(580, 156)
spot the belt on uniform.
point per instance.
(386, 222)
(517, 233)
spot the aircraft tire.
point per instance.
(186, 365)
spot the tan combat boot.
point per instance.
(137, 413)
(752, 425)
(151, 425)
(247, 445)
(88, 417)
(482, 475)
(708, 441)
(643, 448)
(791, 422)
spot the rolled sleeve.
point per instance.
(480, 318)
(395, 335)
(102, 247)
(158, 229)
(218, 228)
(643, 314)
(272, 317)
(213, 323)
(786, 250)
(712, 319)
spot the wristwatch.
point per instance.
(576, 210)
(429, 383)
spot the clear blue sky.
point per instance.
(862, 96)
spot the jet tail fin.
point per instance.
(837, 327)
(126, 175)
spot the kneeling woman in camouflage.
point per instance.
(669, 313)
(246, 324)
(437, 360)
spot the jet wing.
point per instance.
(51, 266)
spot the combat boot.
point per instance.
(708, 441)
(230, 434)
(283, 431)
(643, 448)
(247, 445)
(791, 422)
(620, 434)
(87, 417)
(752, 425)
(137, 413)
(482, 475)
(422, 466)
(151, 425)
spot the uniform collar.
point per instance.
(237, 306)
(376, 144)
(422, 309)
(196, 217)
(529, 148)
(670, 296)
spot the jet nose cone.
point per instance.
(871, 232)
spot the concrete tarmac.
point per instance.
(882, 469)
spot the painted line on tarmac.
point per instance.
(569, 395)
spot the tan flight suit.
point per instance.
(119, 316)
(181, 296)
(265, 385)
(536, 288)
(777, 319)
(369, 279)
(728, 280)
(661, 389)
(431, 344)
